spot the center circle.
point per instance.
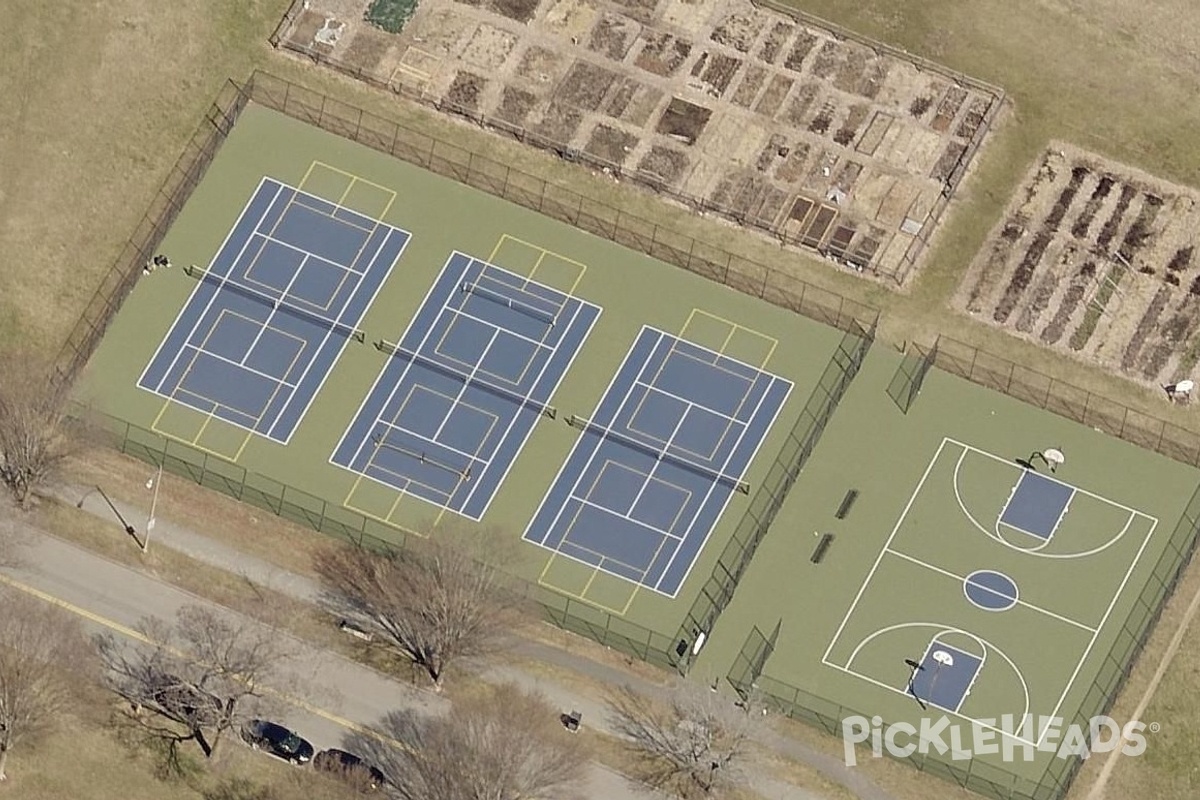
(991, 590)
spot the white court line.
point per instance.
(573, 492)
(598, 442)
(345, 267)
(374, 385)
(558, 308)
(1087, 651)
(217, 290)
(273, 378)
(274, 309)
(1032, 607)
(942, 628)
(470, 262)
(713, 411)
(580, 305)
(338, 206)
(387, 271)
(933, 642)
(210, 402)
(422, 437)
(512, 333)
(886, 546)
(641, 524)
(1077, 489)
(712, 487)
(658, 460)
(962, 506)
(197, 287)
(409, 362)
(561, 467)
(468, 381)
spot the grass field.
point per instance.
(631, 290)
(94, 123)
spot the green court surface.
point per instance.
(632, 290)
(1024, 580)
(1005, 588)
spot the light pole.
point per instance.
(152, 483)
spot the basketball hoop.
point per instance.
(943, 658)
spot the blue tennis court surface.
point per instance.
(652, 471)
(272, 313)
(1037, 505)
(942, 683)
(464, 387)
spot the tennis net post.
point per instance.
(738, 485)
(396, 351)
(203, 274)
(473, 287)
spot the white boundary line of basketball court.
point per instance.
(886, 549)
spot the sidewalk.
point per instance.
(189, 542)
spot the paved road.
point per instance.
(340, 696)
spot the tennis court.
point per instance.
(272, 313)
(654, 468)
(463, 389)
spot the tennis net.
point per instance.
(422, 456)
(396, 350)
(278, 304)
(576, 421)
(528, 309)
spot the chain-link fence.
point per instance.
(141, 246)
(476, 169)
(995, 780)
(910, 375)
(1042, 390)
(718, 590)
(318, 514)
(286, 36)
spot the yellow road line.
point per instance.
(125, 630)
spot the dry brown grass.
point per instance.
(87, 758)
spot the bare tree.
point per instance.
(42, 653)
(504, 744)
(196, 676)
(438, 601)
(692, 743)
(36, 434)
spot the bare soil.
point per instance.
(684, 121)
(661, 71)
(610, 144)
(585, 85)
(1097, 259)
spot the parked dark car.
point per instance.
(353, 768)
(277, 740)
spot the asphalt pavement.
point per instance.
(323, 696)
